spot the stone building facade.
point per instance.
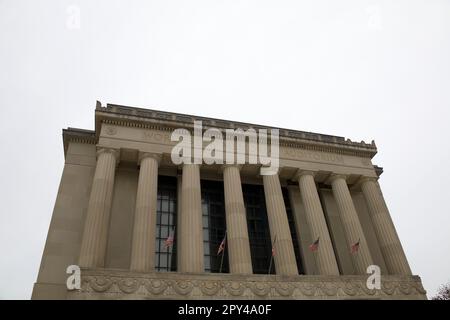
(121, 197)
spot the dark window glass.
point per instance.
(165, 224)
(258, 228)
(214, 225)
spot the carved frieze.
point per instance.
(287, 152)
(115, 284)
(156, 137)
(314, 156)
(110, 130)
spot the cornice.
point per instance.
(378, 170)
(77, 135)
(167, 121)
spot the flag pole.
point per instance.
(223, 252)
(271, 254)
(270, 264)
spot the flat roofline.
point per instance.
(124, 114)
(112, 105)
(136, 114)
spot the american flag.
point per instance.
(169, 241)
(315, 245)
(222, 245)
(354, 247)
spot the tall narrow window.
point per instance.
(214, 226)
(166, 218)
(258, 228)
(292, 228)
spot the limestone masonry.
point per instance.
(121, 198)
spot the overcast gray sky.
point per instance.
(360, 69)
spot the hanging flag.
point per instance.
(355, 247)
(222, 245)
(315, 245)
(169, 241)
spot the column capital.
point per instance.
(144, 155)
(362, 180)
(301, 172)
(272, 172)
(224, 166)
(114, 152)
(366, 179)
(335, 176)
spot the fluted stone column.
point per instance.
(190, 241)
(237, 233)
(95, 235)
(352, 226)
(143, 245)
(325, 258)
(390, 245)
(285, 262)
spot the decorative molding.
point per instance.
(295, 141)
(365, 162)
(131, 124)
(114, 284)
(110, 130)
(316, 151)
(77, 136)
(301, 172)
(157, 137)
(144, 155)
(378, 170)
(114, 152)
(335, 176)
(166, 121)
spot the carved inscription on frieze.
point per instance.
(156, 136)
(285, 152)
(314, 156)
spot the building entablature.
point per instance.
(133, 142)
(166, 121)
